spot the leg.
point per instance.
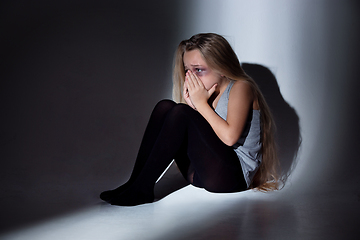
(152, 130)
(211, 164)
(184, 128)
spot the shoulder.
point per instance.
(241, 88)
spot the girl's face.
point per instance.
(194, 61)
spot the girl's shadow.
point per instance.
(288, 136)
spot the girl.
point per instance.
(220, 131)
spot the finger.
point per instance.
(193, 78)
(197, 80)
(190, 80)
(212, 89)
(185, 90)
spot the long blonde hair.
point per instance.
(220, 56)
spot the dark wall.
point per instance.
(78, 82)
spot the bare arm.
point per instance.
(240, 102)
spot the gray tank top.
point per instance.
(248, 147)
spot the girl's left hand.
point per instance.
(198, 93)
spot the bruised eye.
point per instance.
(199, 71)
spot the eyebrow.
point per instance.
(194, 65)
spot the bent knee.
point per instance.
(164, 104)
(181, 108)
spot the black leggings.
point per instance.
(176, 131)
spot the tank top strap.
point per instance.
(221, 107)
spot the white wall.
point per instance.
(310, 46)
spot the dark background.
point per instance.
(79, 80)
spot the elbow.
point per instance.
(230, 140)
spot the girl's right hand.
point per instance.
(187, 96)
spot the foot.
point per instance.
(108, 195)
(132, 198)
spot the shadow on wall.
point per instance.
(287, 121)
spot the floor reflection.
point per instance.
(193, 213)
